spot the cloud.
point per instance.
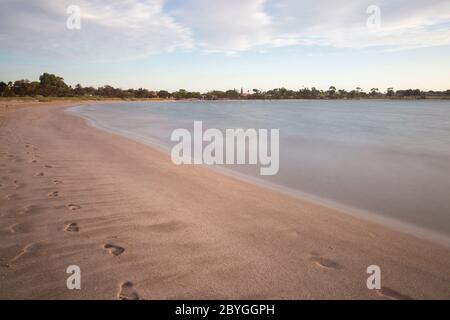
(110, 29)
(236, 25)
(228, 26)
(129, 29)
(342, 23)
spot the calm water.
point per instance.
(390, 158)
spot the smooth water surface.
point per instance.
(391, 158)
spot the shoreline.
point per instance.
(392, 223)
(45, 100)
(185, 232)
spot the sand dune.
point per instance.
(140, 227)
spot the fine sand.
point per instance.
(140, 227)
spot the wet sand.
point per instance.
(140, 227)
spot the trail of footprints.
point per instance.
(71, 227)
(127, 290)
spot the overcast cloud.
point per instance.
(130, 29)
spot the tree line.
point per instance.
(50, 85)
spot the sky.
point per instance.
(224, 44)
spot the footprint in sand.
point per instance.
(30, 209)
(11, 197)
(324, 262)
(15, 159)
(18, 185)
(27, 249)
(19, 228)
(33, 161)
(53, 194)
(392, 294)
(40, 174)
(73, 207)
(72, 227)
(56, 182)
(113, 249)
(127, 292)
(48, 166)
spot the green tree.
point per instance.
(331, 92)
(232, 94)
(4, 89)
(373, 92)
(52, 85)
(390, 92)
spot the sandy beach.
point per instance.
(140, 227)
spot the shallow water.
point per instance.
(391, 158)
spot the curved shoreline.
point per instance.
(393, 223)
